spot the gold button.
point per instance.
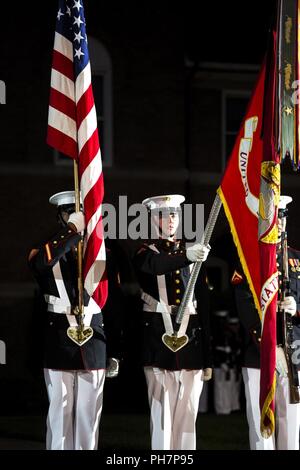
(254, 332)
(177, 271)
(177, 291)
(259, 340)
(177, 301)
(177, 281)
(181, 251)
(69, 231)
(55, 242)
(62, 236)
(168, 243)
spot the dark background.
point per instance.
(231, 31)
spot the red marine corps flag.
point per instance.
(240, 186)
(268, 237)
(250, 192)
(250, 188)
(72, 130)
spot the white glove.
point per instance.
(112, 369)
(288, 305)
(197, 252)
(77, 219)
(206, 374)
(281, 364)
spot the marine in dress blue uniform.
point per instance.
(74, 375)
(287, 415)
(174, 379)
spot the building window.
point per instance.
(102, 89)
(234, 105)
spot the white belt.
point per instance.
(56, 305)
(68, 311)
(153, 305)
(73, 321)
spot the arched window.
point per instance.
(234, 105)
(102, 87)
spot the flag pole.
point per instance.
(80, 307)
(214, 212)
(80, 334)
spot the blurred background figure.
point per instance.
(227, 378)
(204, 398)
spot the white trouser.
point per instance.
(75, 405)
(226, 391)
(173, 399)
(287, 416)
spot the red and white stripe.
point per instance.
(72, 130)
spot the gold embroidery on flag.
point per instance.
(268, 202)
(267, 420)
(288, 29)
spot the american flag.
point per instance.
(72, 130)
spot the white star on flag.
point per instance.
(59, 14)
(78, 21)
(69, 11)
(77, 5)
(78, 37)
(78, 53)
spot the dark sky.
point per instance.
(229, 31)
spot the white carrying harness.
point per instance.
(62, 303)
(162, 306)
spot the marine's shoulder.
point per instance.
(143, 248)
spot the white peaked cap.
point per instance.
(63, 198)
(284, 201)
(167, 201)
